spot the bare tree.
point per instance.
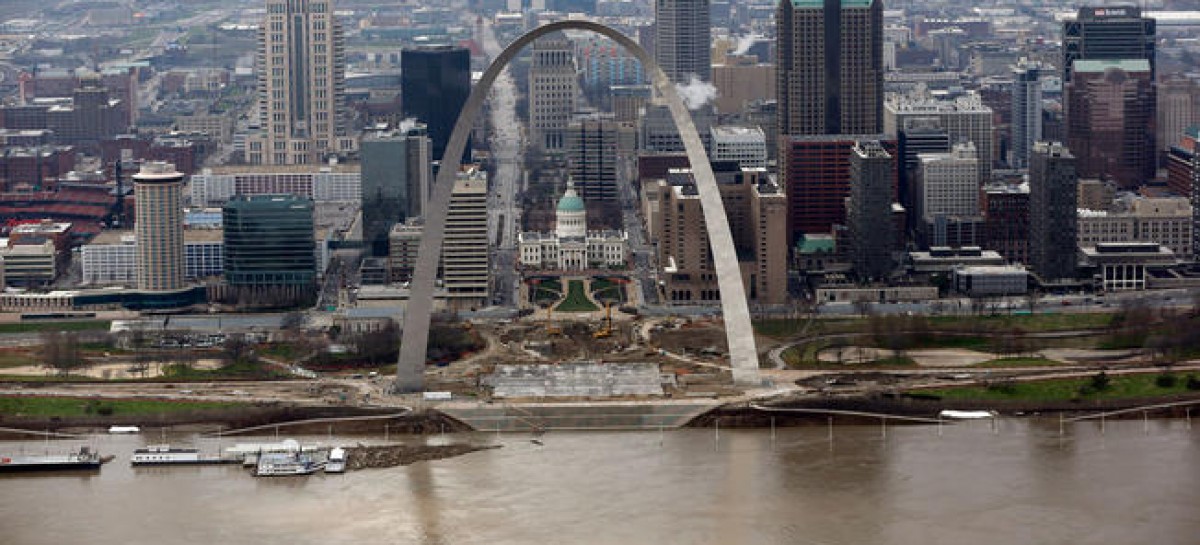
(60, 350)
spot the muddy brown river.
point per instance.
(1022, 483)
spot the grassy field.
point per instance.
(18, 358)
(1029, 323)
(72, 406)
(577, 300)
(546, 291)
(1121, 386)
(33, 327)
(1018, 362)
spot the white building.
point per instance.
(948, 183)
(965, 119)
(553, 89)
(328, 184)
(110, 259)
(991, 280)
(571, 247)
(746, 145)
(466, 263)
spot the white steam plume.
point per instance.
(696, 93)
(745, 42)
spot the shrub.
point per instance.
(1166, 380)
(1193, 383)
(1100, 382)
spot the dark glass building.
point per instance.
(435, 82)
(396, 177)
(1107, 33)
(270, 250)
(1053, 217)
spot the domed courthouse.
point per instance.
(571, 247)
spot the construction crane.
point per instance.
(606, 331)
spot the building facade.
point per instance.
(1026, 111)
(572, 247)
(683, 39)
(434, 86)
(872, 183)
(746, 146)
(1053, 246)
(466, 262)
(757, 211)
(1107, 33)
(553, 89)
(301, 73)
(817, 180)
(158, 190)
(215, 187)
(965, 119)
(396, 179)
(829, 66)
(592, 145)
(1110, 120)
(270, 249)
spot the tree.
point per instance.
(236, 348)
(60, 350)
(1100, 382)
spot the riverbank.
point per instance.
(384, 456)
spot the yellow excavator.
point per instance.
(551, 328)
(606, 331)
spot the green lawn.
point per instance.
(73, 406)
(28, 327)
(1122, 386)
(545, 291)
(1026, 322)
(604, 289)
(17, 359)
(1019, 362)
(577, 300)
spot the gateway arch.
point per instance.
(743, 353)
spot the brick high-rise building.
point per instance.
(829, 67)
(818, 169)
(301, 72)
(1107, 33)
(756, 209)
(1110, 120)
(1006, 227)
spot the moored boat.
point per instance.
(157, 455)
(286, 464)
(337, 461)
(85, 460)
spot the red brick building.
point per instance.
(816, 177)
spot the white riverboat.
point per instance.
(159, 455)
(286, 464)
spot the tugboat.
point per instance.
(85, 460)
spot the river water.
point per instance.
(1021, 483)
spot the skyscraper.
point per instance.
(270, 249)
(829, 68)
(592, 156)
(1053, 249)
(1107, 33)
(466, 266)
(553, 87)
(683, 39)
(1026, 111)
(872, 173)
(1110, 120)
(301, 69)
(435, 82)
(158, 189)
(396, 177)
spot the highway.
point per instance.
(507, 182)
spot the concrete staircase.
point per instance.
(577, 416)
